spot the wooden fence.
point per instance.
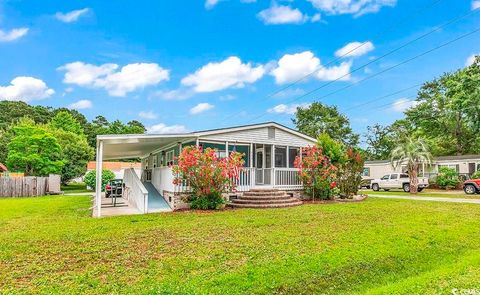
(27, 186)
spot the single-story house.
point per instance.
(118, 168)
(465, 165)
(269, 150)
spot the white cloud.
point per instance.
(356, 7)
(176, 94)
(164, 129)
(286, 109)
(218, 76)
(25, 89)
(13, 34)
(201, 107)
(354, 49)
(475, 4)
(471, 59)
(71, 16)
(340, 72)
(292, 67)
(81, 104)
(129, 78)
(209, 4)
(279, 14)
(148, 115)
(403, 104)
(315, 18)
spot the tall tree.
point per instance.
(33, 150)
(380, 142)
(319, 118)
(447, 113)
(12, 111)
(413, 152)
(65, 121)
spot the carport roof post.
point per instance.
(98, 178)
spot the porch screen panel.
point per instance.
(292, 154)
(281, 157)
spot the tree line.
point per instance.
(41, 140)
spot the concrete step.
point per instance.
(259, 206)
(264, 201)
(264, 190)
(264, 193)
(282, 197)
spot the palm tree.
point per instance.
(413, 152)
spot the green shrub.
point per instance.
(90, 178)
(211, 201)
(447, 178)
(476, 175)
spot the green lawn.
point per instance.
(52, 245)
(426, 193)
(75, 188)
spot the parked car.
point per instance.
(365, 183)
(397, 181)
(112, 186)
(471, 186)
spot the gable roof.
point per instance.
(3, 167)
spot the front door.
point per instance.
(259, 159)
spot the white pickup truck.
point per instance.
(397, 181)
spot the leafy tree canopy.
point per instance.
(319, 118)
(34, 150)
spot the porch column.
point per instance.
(288, 157)
(250, 161)
(197, 142)
(226, 149)
(272, 177)
(98, 180)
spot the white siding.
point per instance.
(260, 135)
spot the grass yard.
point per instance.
(427, 193)
(75, 188)
(52, 245)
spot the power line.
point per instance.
(379, 73)
(429, 5)
(383, 97)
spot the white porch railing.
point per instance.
(287, 178)
(281, 178)
(135, 192)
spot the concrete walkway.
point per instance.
(435, 199)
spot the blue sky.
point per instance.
(191, 65)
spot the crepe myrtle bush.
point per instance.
(207, 175)
(316, 172)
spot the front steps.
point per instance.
(265, 198)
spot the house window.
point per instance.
(366, 171)
(478, 167)
(281, 157)
(292, 154)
